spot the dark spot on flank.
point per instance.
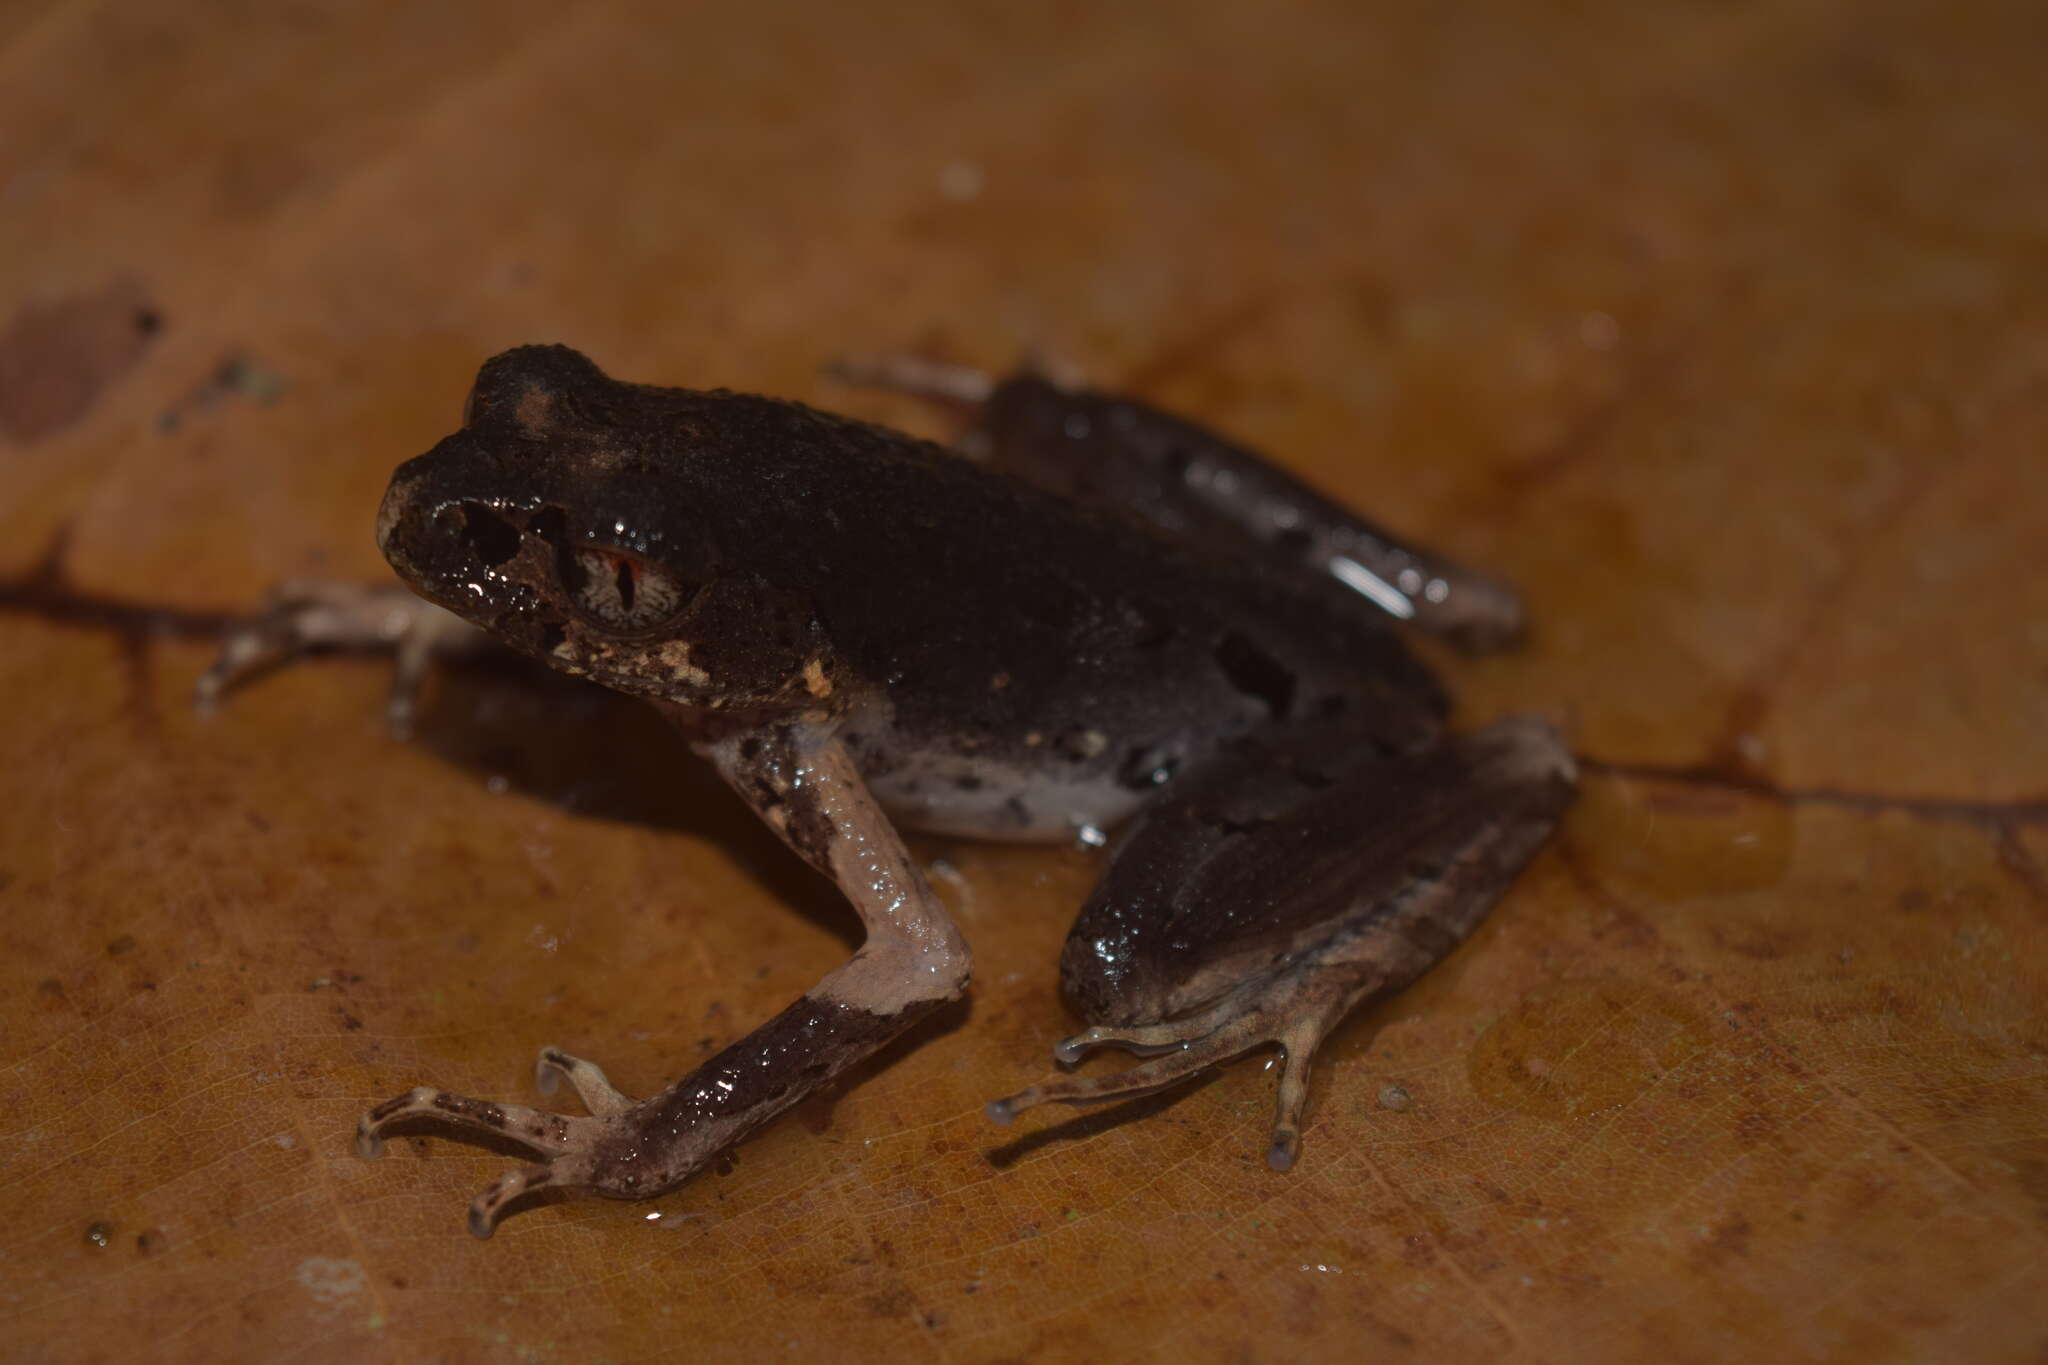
(490, 537)
(124, 944)
(1017, 812)
(1256, 673)
(750, 747)
(967, 782)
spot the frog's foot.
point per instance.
(1362, 879)
(1292, 1009)
(566, 1144)
(309, 614)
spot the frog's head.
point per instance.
(558, 522)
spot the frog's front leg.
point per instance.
(800, 779)
(303, 615)
(1282, 887)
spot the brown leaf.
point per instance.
(1717, 328)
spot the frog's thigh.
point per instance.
(1286, 854)
(1278, 890)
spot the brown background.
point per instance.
(1719, 328)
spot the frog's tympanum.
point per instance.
(1100, 619)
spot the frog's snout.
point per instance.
(391, 511)
(448, 551)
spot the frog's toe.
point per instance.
(1142, 1079)
(1291, 1011)
(487, 1210)
(1177, 1050)
(915, 375)
(303, 616)
(534, 1129)
(1298, 1049)
(1147, 1041)
(587, 1079)
(566, 1144)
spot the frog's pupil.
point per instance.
(624, 579)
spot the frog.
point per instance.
(1087, 620)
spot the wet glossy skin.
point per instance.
(1003, 662)
(1112, 614)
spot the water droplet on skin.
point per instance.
(1395, 1098)
(99, 1235)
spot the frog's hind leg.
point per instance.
(1270, 897)
(1191, 482)
(1184, 1047)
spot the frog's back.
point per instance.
(983, 606)
(978, 599)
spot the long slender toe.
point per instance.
(1143, 1079)
(1285, 1151)
(587, 1079)
(489, 1207)
(535, 1129)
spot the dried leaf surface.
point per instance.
(1719, 329)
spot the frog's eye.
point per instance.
(619, 591)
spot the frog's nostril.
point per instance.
(490, 537)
